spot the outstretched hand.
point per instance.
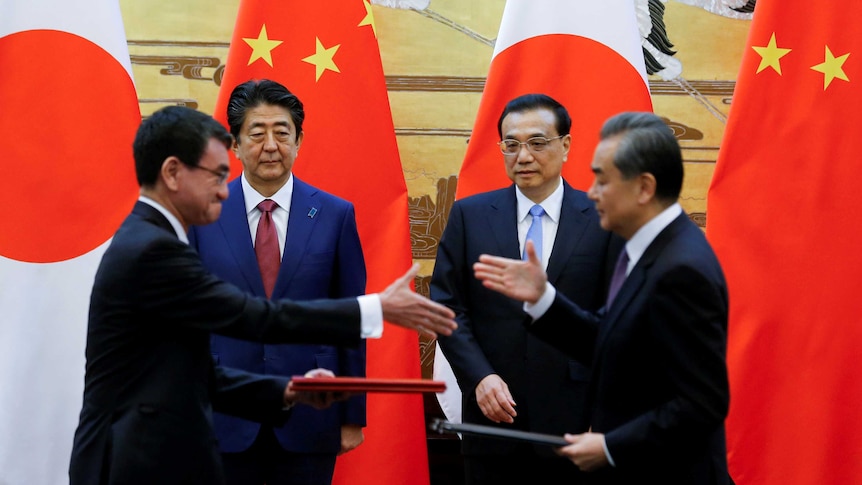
(520, 280)
(406, 308)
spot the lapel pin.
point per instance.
(312, 212)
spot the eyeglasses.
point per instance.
(221, 174)
(535, 144)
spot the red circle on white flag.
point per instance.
(70, 112)
(589, 78)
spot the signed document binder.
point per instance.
(441, 426)
(365, 384)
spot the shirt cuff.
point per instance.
(371, 311)
(536, 310)
(607, 453)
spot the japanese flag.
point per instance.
(68, 113)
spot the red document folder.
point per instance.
(365, 384)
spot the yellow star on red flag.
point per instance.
(369, 18)
(770, 55)
(261, 47)
(322, 59)
(831, 68)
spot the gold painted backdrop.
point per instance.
(435, 61)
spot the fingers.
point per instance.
(319, 373)
(437, 319)
(531, 252)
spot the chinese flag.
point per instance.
(782, 216)
(69, 112)
(327, 54)
(587, 56)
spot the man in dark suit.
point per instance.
(150, 383)
(508, 377)
(659, 392)
(321, 258)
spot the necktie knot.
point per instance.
(537, 211)
(267, 205)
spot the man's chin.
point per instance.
(211, 216)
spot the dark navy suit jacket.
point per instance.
(548, 386)
(322, 259)
(658, 389)
(150, 385)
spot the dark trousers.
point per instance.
(525, 467)
(266, 462)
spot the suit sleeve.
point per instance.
(176, 288)
(569, 328)
(250, 396)
(449, 287)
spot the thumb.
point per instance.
(407, 277)
(531, 253)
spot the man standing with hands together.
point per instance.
(316, 253)
(510, 378)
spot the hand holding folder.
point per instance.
(365, 384)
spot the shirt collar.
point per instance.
(175, 223)
(638, 244)
(252, 197)
(553, 204)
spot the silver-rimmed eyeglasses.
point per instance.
(535, 144)
(221, 174)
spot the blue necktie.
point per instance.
(535, 232)
(618, 277)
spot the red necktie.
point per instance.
(266, 246)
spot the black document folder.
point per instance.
(442, 426)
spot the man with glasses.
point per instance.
(318, 256)
(508, 377)
(151, 384)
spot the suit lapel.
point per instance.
(305, 211)
(234, 226)
(152, 215)
(570, 229)
(637, 278)
(503, 222)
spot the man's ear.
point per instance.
(170, 172)
(647, 185)
(299, 138)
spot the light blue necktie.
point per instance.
(535, 232)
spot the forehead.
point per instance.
(215, 155)
(267, 115)
(603, 157)
(534, 122)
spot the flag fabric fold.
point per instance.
(587, 56)
(70, 111)
(327, 54)
(780, 215)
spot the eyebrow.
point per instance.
(277, 123)
(534, 135)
